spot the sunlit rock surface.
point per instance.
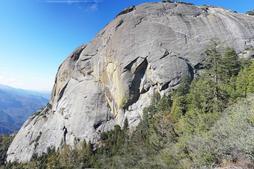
(145, 49)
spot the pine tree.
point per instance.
(230, 67)
(245, 80)
(221, 73)
(214, 78)
(179, 105)
(250, 73)
(230, 64)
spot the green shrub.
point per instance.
(5, 141)
(250, 12)
(230, 139)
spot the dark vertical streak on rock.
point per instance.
(62, 92)
(134, 87)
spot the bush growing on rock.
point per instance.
(169, 1)
(250, 12)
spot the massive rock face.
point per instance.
(145, 49)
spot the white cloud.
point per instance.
(93, 7)
(82, 4)
(70, 1)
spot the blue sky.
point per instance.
(37, 35)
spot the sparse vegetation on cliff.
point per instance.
(250, 12)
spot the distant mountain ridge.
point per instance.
(16, 105)
(24, 91)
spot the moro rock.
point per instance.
(145, 49)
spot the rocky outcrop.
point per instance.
(145, 49)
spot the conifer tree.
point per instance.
(179, 105)
(214, 78)
(230, 64)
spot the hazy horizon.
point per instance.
(37, 35)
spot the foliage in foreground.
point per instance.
(204, 123)
(231, 139)
(5, 141)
